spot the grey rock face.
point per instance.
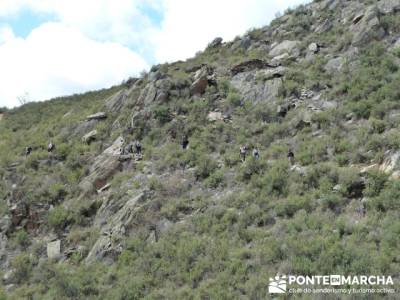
(313, 48)
(334, 64)
(255, 91)
(216, 42)
(97, 116)
(103, 167)
(388, 6)
(271, 73)
(201, 78)
(54, 249)
(249, 65)
(366, 26)
(290, 47)
(323, 26)
(117, 101)
(90, 136)
(115, 229)
(148, 94)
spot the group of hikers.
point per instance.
(256, 154)
(133, 148)
(136, 148)
(50, 148)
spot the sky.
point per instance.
(51, 48)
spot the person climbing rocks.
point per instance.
(185, 142)
(242, 153)
(128, 149)
(256, 153)
(290, 156)
(50, 147)
(28, 150)
(138, 147)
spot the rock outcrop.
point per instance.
(117, 226)
(97, 116)
(289, 47)
(104, 166)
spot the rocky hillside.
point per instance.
(92, 220)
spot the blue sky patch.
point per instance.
(155, 15)
(25, 21)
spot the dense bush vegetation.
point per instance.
(229, 225)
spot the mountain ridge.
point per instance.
(94, 219)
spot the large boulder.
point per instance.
(216, 43)
(202, 78)
(254, 90)
(290, 47)
(97, 116)
(118, 222)
(388, 6)
(54, 249)
(249, 65)
(241, 43)
(334, 65)
(117, 101)
(313, 48)
(322, 27)
(391, 164)
(148, 94)
(271, 73)
(366, 26)
(327, 4)
(104, 166)
(89, 137)
(199, 86)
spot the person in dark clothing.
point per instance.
(128, 149)
(256, 153)
(28, 150)
(185, 142)
(51, 147)
(291, 157)
(242, 153)
(138, 147)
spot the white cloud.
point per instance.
(56, 60)
(116, 20)
(189, 26)
(6, 34)
(90, 44)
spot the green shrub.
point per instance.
(215, 179)
(23, 265)
(162, 114)
(250, 167)
(57, 192)
(22, 239)
(204, 167)
(388, 199)
(376, 181)
(332, 201)
(58, 217)
(234, 99)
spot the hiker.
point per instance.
(138, 147)
(185, 142)
(128, 149)
(51, 147)
(28, 150)
(242, 153)
(291, 157)
(256, 153)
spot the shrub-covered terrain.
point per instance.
(88, 221)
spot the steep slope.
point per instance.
(88, 221)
